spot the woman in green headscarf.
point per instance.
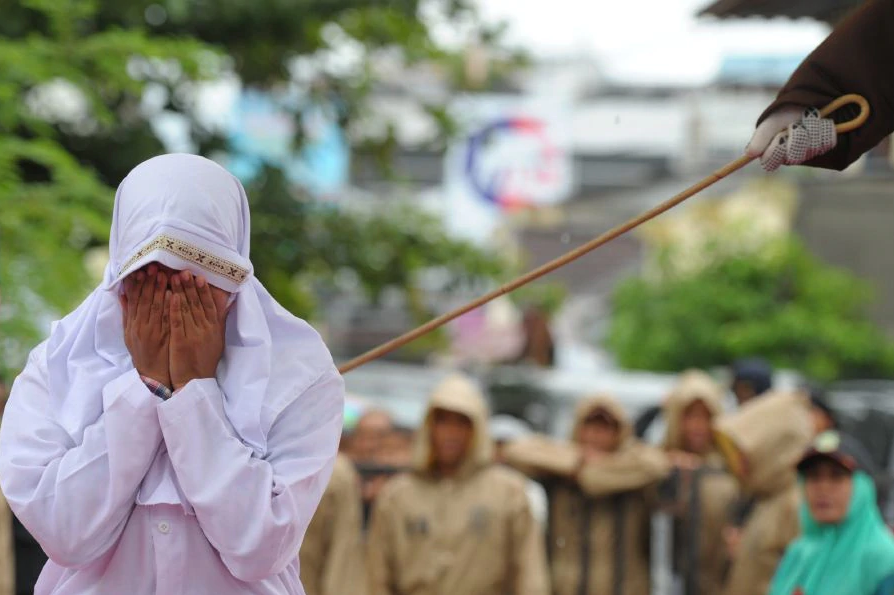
(845, 546)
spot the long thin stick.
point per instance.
(596, 242)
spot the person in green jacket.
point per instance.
(845, 546)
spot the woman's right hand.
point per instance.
(146, 328)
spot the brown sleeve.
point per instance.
(379, 548)
(528, 556)
(539, 456)
(855, 58)
(633, 468)
(343, 568)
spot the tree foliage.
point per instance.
(57, 89)
(782, 304)
(302, 249)
(74, 120)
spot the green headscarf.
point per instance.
(853, 557)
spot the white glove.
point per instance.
(805, 135)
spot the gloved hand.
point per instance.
(805, 135)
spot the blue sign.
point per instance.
(263, 131)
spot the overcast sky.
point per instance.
(647, 39)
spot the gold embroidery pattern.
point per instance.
(193, 254)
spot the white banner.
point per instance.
(512, 153)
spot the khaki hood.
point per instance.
(609, 405)
(763, 441)
(459, 394)
(694, 385)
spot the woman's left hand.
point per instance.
(198, 327)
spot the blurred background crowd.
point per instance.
(404, 156)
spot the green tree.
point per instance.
(58, 87)
(58, 167)
(781, 303)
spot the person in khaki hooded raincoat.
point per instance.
(762, 442)
(600, 489)
(457, 524)
(331, 554)
(706, 491)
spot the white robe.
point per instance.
(210, 491)
(78, 500)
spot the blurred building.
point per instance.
(629, 146)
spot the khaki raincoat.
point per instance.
(331, 555)
(705, 511)
(763, 442)
(596, 509)
(469, 534)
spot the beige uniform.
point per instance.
(332, 552)
(7, 550)
(764, 440)
(717, 489)
(470, 534)
(598, 509)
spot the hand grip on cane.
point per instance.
(792, 135)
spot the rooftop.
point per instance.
(828, 11)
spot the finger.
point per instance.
(182, 304)
(166, 313)
(122, 299)
(775, 154)
(192, 296)
(176, 315)
(156, 310)
(766, 132)
(206, 298)
(144, 297)
(130, 290)
(763, 137)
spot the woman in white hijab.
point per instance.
(132, 489)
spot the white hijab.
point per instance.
(188, 213)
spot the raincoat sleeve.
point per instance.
(75, 497)
(528, 556)
(254, 511)
(332, 551)
(539, 456)
(381, 545)
(855, 58)
(635, 467)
